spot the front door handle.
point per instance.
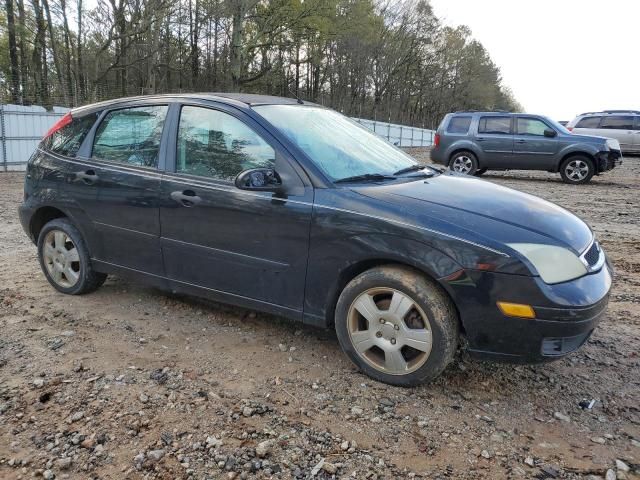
(521, 141)
(186, 198)
(88, 177)
(480, 139)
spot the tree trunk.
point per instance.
(54, 51)
(80, 71)
(14, 81)
(237, 33)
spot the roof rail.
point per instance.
(482, 111)
(636, 112)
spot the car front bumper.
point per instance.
(565, 314)
(608, 160)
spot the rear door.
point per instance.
(619, 127)
(122, 173)
(495, 138)
(636, 135)
(531, 149)
(221, 239)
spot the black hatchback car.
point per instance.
(290, 208)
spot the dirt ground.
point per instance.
(132, 382)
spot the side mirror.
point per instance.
(550, 133)
(260, 179)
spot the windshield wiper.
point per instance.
(414, 168)
(365, 178)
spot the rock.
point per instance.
(247, 411)
(76, 416)
(562, 416)
(356, 411)
(622, 467)
(611, 475)
(154, 456)
(376, 420)
(38, 382)
(344, 445)
(485, 454)
(88, 443)
(139, 459)
(213, 442)
(264, 448)
(529, 461)
(598, 440)
(283, 348)
(317, 468)
(330, 468)
(144, 398)
(48, 475)
(159, 376)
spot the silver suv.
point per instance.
(623, 125)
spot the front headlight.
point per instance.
(554, 264)
(613, 144)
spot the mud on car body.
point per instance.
(295, 210)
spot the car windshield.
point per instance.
(558, 126)
(339, 146)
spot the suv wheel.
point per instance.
(464, 162)
(577, 170)
(64, 259)
(396, 325)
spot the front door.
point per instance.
(495, 139)
(123, 173)
(219, 238)
(531, 149)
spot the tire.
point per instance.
(403, 307)
(480, 171)
(577, 170)
(64, 259)
(464, 162)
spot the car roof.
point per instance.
(613, 112)
(233, 98)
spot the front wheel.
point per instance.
(577, 170)
(64, 259)
(464, 162)
(396, 325)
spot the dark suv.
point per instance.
(293, 209)
(474, 142)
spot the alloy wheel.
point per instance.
(61, 258)
(389, 331)
(577, 170)
(462, 164)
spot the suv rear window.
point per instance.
(617, 123)
(495, 125)
(588, 122)
(459, 125)
(67, 140)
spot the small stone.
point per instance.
(283, 348)
(611, 475)
(155, 456)
(76, 416)
(485, 454)
(38, 382)
(622, 467)
(529, 461)
(330, 468)
(598, 440)
(344, 445)
(139, 459)
(562, 416)
(48, 475)
(88, 443)
(376, 420)
(144, 398)
(356, 411)
(247, 411)
(213, 442)
(264, 448)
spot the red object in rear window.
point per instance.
(570, 129)
(436, 140)
(63, 122)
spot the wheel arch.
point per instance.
(41, 217)
(461, 149)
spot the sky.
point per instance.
(559, 57)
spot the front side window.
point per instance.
(131, 136)
(494, 125)
(531, 126)
(67, 140)
(459, 125)
(617, 123)
(588, 122)
(217, 145)
(340, 147)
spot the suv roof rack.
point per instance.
(635, 112)
(482, 111)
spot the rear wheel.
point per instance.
(64, 259)
(464, 162)
(577, 170)
(397, 326)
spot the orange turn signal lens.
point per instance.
(516, 310)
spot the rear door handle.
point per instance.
(89, 177)
(521, 141)
(186, 198)
(480, 139)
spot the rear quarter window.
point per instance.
(68, 139)
(459, 125)
(588, 122)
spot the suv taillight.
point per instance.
(63, 122)
(436, 140)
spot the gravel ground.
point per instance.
(132, 382)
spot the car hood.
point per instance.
(481, 209)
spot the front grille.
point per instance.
(593, 254)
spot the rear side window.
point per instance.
(495, 125)
(459, 125)
(67, 140)
(131, 136)
(588, 122)
(617, 123)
